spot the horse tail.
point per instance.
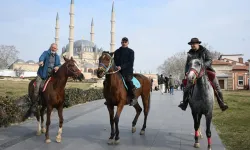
(149, 102)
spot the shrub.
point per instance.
(14, 110)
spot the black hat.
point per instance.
(125, 39)
(194, 40)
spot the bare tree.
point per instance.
(175, 65)
(9, 54)
(214, 54)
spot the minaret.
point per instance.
(112, 43)
(92, 31)
(57, 30)
(71, 29)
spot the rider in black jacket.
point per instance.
(200, 52)
(124, 60)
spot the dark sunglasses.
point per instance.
(124, 41)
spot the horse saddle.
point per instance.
(136, 83)
(43, 84)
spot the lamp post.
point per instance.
(248, 74)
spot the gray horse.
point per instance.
(201, 98)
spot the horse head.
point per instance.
(106, 61)
(72, 69)
(196, 70)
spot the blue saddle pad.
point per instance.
(135, 82)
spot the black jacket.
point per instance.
(203, 54)
(124, 57)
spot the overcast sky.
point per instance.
(156, 28)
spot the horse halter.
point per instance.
(197, 74)
(72, 71)
(107, 68)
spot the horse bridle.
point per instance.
(198, 74)
(74, 72)
(107, 68)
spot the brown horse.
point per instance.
(53, 96)
(115, 94)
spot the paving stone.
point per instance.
(87, 127)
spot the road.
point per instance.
(86, 127)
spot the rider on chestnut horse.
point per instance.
(124, 60)
(200, 52)
(48, 61)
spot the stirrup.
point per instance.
(134, 101)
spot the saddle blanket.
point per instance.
(135, 82)
(43, 86)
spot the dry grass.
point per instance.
(233, 125)
(19, 88)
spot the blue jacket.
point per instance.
(43, 70)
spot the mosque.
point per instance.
(85, 52)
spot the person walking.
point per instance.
(171, 84)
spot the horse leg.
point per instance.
(42, 119)
(49, 110)
(117, 116)
(60, 114)
(208, 131)
(146, 105)
(200, 134)
(197, 119)
(111, 118)
(138, 112)
(38, 132)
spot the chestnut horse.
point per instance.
(53, 96)
(115, 94)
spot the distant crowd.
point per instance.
(168, 84)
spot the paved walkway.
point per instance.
(86, 127)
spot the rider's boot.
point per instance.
(35, 97)
(34, 105)
(219, 95)
(183, 105)
(133, 97)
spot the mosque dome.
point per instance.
(81, 46)
(19, 61)
(30, 62)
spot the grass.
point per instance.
(20, 88)
(233, 125)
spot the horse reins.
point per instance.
(74, 72)
(105, 68)
(197, 74)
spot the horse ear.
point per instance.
(71, 58)
(66, 59)
(105, 52)
(111, 54)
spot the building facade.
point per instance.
(232, 72)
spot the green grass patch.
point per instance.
(233, 125)
(20, 88)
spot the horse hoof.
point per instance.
(201, 136)
(117, 142)
(197, 145)
(133, 129)
(38, 133)
(43, 130)
(58, 139)
(47, 141)
(142, 132)
(209, 147)
(110, 141)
